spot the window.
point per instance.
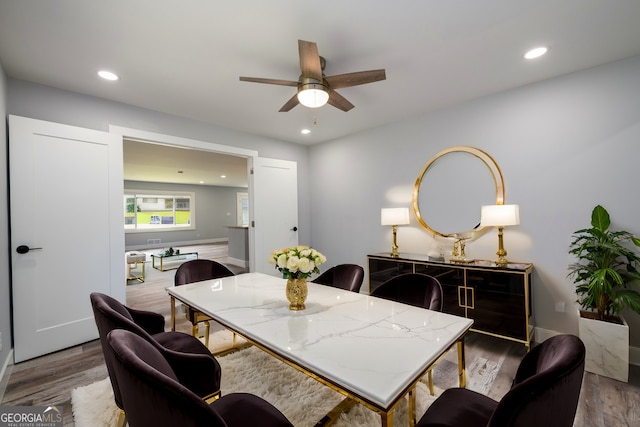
(158, 211)
(242, 209)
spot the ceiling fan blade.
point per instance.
(309, 60)
(290, 104)
(353, 79)
(339, 101)
(269, 81)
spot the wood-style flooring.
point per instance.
(49, 380)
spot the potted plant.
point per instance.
(606, 278)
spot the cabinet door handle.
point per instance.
(460, 303)
(473, 299)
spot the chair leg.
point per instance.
(122, 419)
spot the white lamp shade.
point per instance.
(394, 216)
(499, 215)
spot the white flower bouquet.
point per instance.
(297, 262)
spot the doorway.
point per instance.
(203, 170)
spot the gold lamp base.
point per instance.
(394, 247)
(502, 254)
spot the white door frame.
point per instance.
(176, 141)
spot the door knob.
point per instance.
(23, 249)
(294, 228)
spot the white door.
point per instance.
(274, 211)
(67, 235)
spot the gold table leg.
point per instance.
(387, 418)
(461, 364)
(173, 313)
(412, 407)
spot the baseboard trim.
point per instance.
(172, 244)
(239, 262)
(542, 334)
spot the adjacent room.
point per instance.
(345, 213)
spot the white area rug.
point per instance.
(302, 399)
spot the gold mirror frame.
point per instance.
(495, 173)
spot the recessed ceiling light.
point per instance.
(223, 176)
(107, 75)
(201, 182)
(305, 131)
(536, 52)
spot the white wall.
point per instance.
(564, 145)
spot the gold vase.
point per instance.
(296, 293)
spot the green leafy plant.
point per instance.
(606, 272)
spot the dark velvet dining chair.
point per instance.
(153, 395)
(545, 392)
(200, 371)
(198, 270)
(415, 289)
(344, 276)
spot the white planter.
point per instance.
(607, 347)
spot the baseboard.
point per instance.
(542, 334)
(172, 244)
(239, 262)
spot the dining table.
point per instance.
(373, 351)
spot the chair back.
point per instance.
(198, 270)
(415, 289)
(110, 314)
(345, 276)
(151, 393)
(546, 388)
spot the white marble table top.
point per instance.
(371, 347)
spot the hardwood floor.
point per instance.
(49, 380)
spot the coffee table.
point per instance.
(163, 259)
(371, 350)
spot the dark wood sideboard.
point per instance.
(498, 299)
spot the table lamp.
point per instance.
(394, 217)
(500, 216)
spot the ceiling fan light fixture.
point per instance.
(313, 95)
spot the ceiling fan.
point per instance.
(314, 88)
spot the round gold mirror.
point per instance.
(452, 187)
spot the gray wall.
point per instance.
(215, 210)
(5, 295)
(564, 145)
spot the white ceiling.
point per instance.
(162, 163)
(185, 57)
